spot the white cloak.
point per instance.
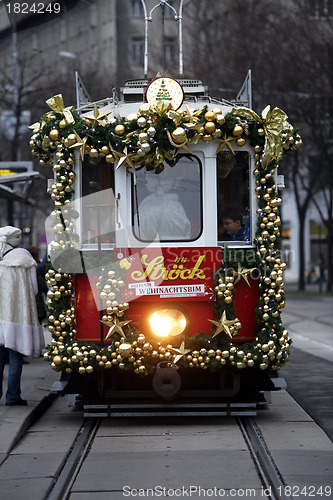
(20, 329)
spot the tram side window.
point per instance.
(97, 204)
(233, 196)
(168, 206)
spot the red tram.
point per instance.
(152, 294)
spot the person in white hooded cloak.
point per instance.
(20, 330)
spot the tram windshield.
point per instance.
(97, 203)
(168, 206)
(233, 199)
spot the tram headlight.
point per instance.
(169, 321)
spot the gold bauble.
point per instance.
(210, 116)
(125, 350)
(210, 127)
(207, 138)
(261, 131)
(240, 141)
(237, 131)
(144, 109)
(57, 360)
(220, 119)
(72, 138)
(109, 158)
(257, 149)
(145, 147)
(63, 123)
(54, 134)
(105, 150)
(93, 153)
(228, 300)
(179, 135)
(141, 121)
(119, 129)
(143, 137)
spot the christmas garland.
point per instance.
(153, 137)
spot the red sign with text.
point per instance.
(154, 277)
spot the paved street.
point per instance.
(309, 373)
(302, 452)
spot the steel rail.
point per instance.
(66, 479)
(266, 468)
(263, 461)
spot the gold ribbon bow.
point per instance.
(273, 122)
(159, 107)
(56, 103)
(35, 127)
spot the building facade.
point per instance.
(104, 40)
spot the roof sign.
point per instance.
(167, 90)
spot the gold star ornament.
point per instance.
(180, 352)
(223, 325)
(97, 118)
(123, 157)
(242, 273)
(225, 142)
(116, 326)
(80, 144)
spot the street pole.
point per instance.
(321, 263)
(15, 70)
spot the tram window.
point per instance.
(168, 205)
(98, 204)
(233, 193)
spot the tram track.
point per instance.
(266, 467)
(76, 457)
(267, 470)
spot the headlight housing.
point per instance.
(168, 322)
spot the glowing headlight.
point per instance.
(166, 322)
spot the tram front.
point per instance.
(175, 267)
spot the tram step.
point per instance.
(155, 409)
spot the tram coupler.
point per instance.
(166, 381)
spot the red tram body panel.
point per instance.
(181, 277)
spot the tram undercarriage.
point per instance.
(226, 392)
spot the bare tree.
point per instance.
(289, 48)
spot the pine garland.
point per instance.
(150, 139)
